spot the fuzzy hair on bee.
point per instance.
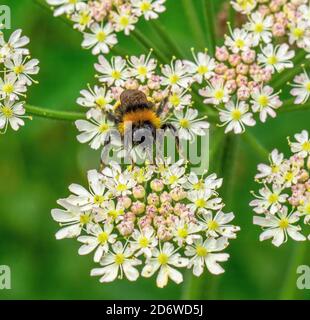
(136, 115)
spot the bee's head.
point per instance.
(132, 98)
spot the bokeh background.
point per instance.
(43, 158)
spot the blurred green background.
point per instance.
(43, 158)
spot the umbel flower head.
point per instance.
(153, 219)
(283, 202)
(17, 69)
(100, 20)
(167, 89)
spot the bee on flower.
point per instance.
(283, 201)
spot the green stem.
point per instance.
(232, 16)
(147, 44)
(54, 114)
(193, 19)
(210, 25)
(255, 144)
(289, 283)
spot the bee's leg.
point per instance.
(163, 104)
(103, 153)
(173, 129)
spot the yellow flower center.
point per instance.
(201, 251)
(182, 233)
(219, 94)
(73, 1)
(202, 70)
(275, 169)
(174, 100)
(104, 127)
(121, 187)
(143, 242)
(101, 36)
(200, 203)
(174, 78)
(212, 225)
(289, 176)
(101, 102)
(298, 32)
(236, 114)
(273, 198)
(173, 179)
(142, 70)
(284, 223)
(98, 199)
(272, 60)
(8, 88)
(114, 213)
(307, 208)
(306, 146)
(308, 86)
(124, 21)
(7, 111)
(116, 75)
(198, 185)
(163, 258)
(240, 43)
(145, 6)
(19, 69)
(184, 123)
(84, 19)
(259, 28)
(84, 218)
(119, 258)
(263, 100)
(103, 237)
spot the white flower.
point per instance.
(276, 58)
(302, 144)
(174, 175)
(101, 38)
(304, 210)
(11, 87)
(176, 75)
(97, 131)
(207, 254)
(179, 98)
(124, 20)
(144, 242)
(201, 200)
(270, 172)
(72, 219)
(298, 32)
(301, 88)
(260, 28)
(218, 225)
(92, 198)
(163, 260)
(269, 200)
(240, 40)
(22, 68)
(65, 6)
(120, 260)
(188, 125)
(244, 6)
(98, 97)
(148, 8)
(82, 18)
(14, 45)
(115, 73)
(265, 102)
(185, 232)
(215, 92)
(98, 239)
(11, 114)
(236, 117)
(279, 227)
(142, 67)
(121, 185)
(203, 66)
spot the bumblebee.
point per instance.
(135, 115)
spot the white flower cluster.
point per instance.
(171, 82)
(100, 20)
(284, 200)
(159, 217)
(17, 69)
(301, 90)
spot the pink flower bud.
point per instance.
(157, 185)
(221, 54)
(138, 192)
